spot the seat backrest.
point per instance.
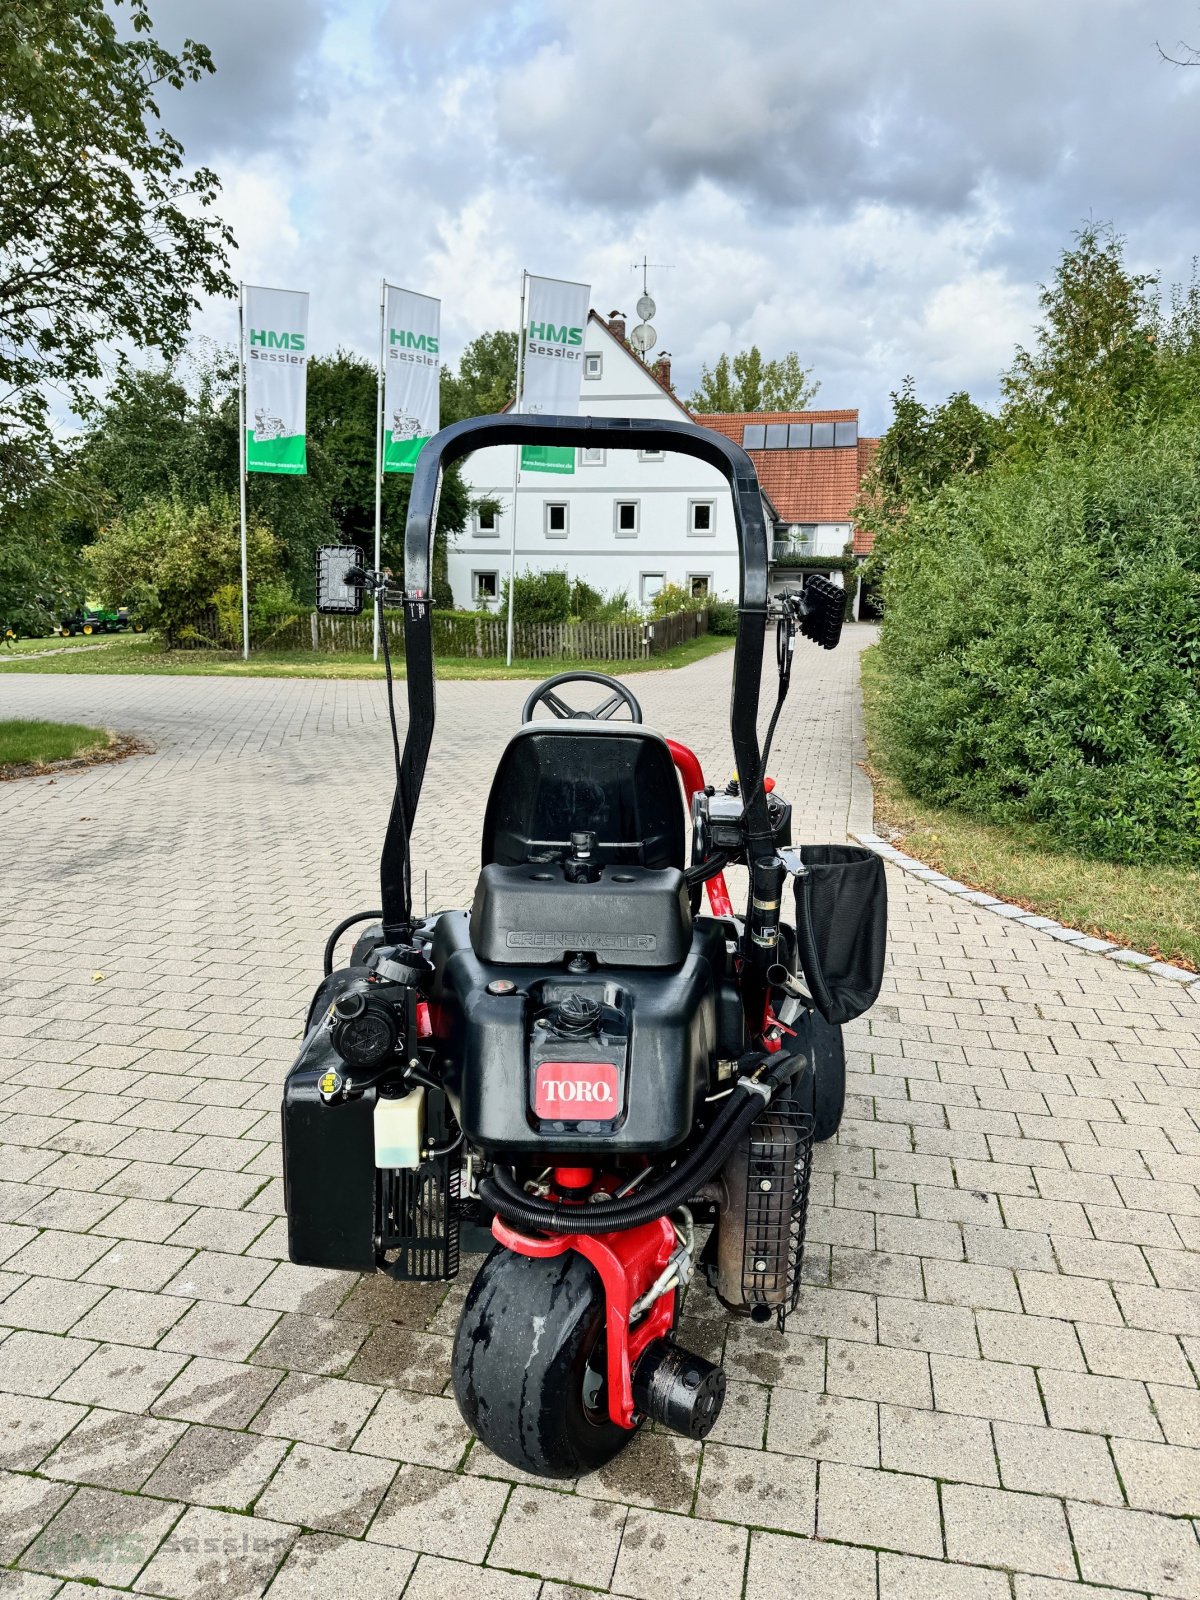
(616, 780)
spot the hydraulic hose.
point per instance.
(346, 922)
(503, 1194)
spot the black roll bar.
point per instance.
(482, 433)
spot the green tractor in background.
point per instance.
(95, 619)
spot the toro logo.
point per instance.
(576, 1091)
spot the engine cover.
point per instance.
(527, 1080)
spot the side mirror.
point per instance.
(339, 580)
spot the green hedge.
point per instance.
(816, 563)
(1042, 646)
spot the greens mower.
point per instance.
(609, 1087)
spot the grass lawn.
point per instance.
(1155, 909)
(36, 743)
(143, 655)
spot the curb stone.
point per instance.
(1028, 919)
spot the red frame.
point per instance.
(628, 1263)
(687, 764)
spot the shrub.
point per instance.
(1042, 646)
(722, 616)
(586, 602)
(539, 597)
(169, 562)
(672, 597)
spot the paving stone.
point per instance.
(913, 1578)
(26, 1505)
(403, 1358)
(438, 1512)
(130, 1316)
(828, 1427)
(985, 1389)
(1056, 1461)
(890, 1510)
(213, 1555)
(420, 1428)
(321, 1567)
(217, 1467)
(1159, 1477)
(438, 1579)
(937, 1444)
(36, 1363)
(209, 1275)
(782, 1568)
(566, 1536)
(1133, 1549)
(325, 1411)
(328, 1489)
(871, 1372)
(655, 1470)
(48, 1305)
(1021, 1532)
(221, 1392)
(121, 1377)
(30, 1429)
(112, 1450)
(323, 1345)
(137, 1265)
(103, 1536)
(224, 1332)
(678, 1557)
(1099, 1405)
(746, 1486)
(743, 1419)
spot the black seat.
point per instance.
(616, 780)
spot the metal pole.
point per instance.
(242, 465)
(379, 460)
(512, 547)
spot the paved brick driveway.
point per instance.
(989, 1389)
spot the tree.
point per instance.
(486, 379)
(103, 234)
(749, 383)
(170, 561)
(1095, 350)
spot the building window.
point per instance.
(487, 522)
(626, 518)
(591, 456)
(822, 436)
(485, 585)
(845, 434)
(650, 455)
(702, 518)
(777, 435)
(651, 583)
(556, 519)
(699, 585)
(799, 435)
(593, 364)
(754, 436)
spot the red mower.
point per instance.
(611, 1086)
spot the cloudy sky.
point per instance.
(879, 185)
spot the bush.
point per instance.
(672, 597)
(1042, 646)
(586, 602)
(539, 597)
(169, 562)
(722, 616)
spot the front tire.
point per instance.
(528, 1364)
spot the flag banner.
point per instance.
(411, 331)
(555, 320)
(276, 359)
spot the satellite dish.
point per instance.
(643, 337)
(646, 308)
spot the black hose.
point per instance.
(503, 1195)
(347, 922)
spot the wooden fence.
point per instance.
(486, 636)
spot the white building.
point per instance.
(632, 521)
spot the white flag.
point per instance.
(411, 332)
(276, 360)
(555, 321)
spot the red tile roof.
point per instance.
(864, 541)
(805, 485)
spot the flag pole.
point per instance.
(512, 547)
(242, 465)
(379, 461)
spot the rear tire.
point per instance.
(528, 1364)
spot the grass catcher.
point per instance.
(600, 1067)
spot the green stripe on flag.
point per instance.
(547, 458)
(400, 455)
(286, 454)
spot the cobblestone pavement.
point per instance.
(988, 1390)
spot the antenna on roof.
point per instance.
(642, 336)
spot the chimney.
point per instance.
(662, 370)
(616, 324)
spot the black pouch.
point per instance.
(841, 927)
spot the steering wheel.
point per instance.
(544, 695)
